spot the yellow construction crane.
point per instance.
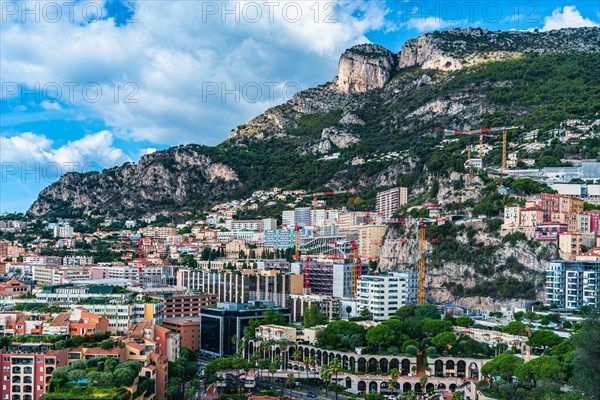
(355, 269)
(480, 132)
(421, 270)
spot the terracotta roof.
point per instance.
(61, 319)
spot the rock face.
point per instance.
(375, 107)
(165, 179)
(365, 67)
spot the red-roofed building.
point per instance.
(13, 288)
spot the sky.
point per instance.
(88, 85)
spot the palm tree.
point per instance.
(326, 376)
(394, 374)
(290, 381)
(297, 355)
(457, 396)
(313, 363)
(423, 383)
(335, 368)
(263, 348)
(409, 396)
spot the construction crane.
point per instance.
(421, 263)
(490, 132)
(297, 241)
(316, 195)
(356, 269)
(140, 262)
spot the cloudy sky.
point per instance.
(87, 85)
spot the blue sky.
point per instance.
(93, 84)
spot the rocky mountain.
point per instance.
(375, 123)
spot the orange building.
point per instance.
(80, 322)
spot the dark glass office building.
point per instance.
(218, 325)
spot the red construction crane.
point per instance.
(330, 193)
(481, 132)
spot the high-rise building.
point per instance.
(383, 295)
(279, 239)
(389, 201)
(370, 239)
(572, 284)
(221, 323)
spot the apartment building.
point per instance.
(188, 305)
(370, 239)
(330, 307)
(570, 244)
(252, 285)
(72, 293)
(328, 277)
(187, 328)
(131, 273)
(572, 284)
(77, 261)
(158, 232)
(251, 225)
(122, 316)
(279, 239)
(383, 295)
(63, 231)
(389, 201)
(42, 260)
(79, 322)
(27, 369)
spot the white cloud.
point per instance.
(568, 17)
(30, 151)
(176, 49)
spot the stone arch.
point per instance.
(395, 364)
(430, 387)
(384, 386)
(473, 370)
(383, 364)
(452, 387)
(461, 369)
(405, 366)
(438, 368)
(348, 382)
(352, 364)
(362, 365)
(441, 386)
(450, 368)
(362, 386)
(406, 387)
(373, 365)
(418, 388)
(373, 387)
(345, 362)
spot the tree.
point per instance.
(76, 375)
(365, 313)
(433, 327)
(380, 336)
(297, 356)
(405, 312)
(586, 367)
(394, 375)
(427, 311)
(503, 365)
(313, 316)
(464, 321)
(272, 317)
(412, 350)
(325, 377)
(335, 369)
(542, 369)
(444, 340)
(544, 339)
(290, 381)
(341, 335)
(516, 328)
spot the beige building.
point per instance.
(370, 239)
(275, 332)
(389, 201)
(570, 244)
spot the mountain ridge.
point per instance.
(380, 101)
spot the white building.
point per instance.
(63, 231)
(77, 261)
(383, 295)
(572, 284)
